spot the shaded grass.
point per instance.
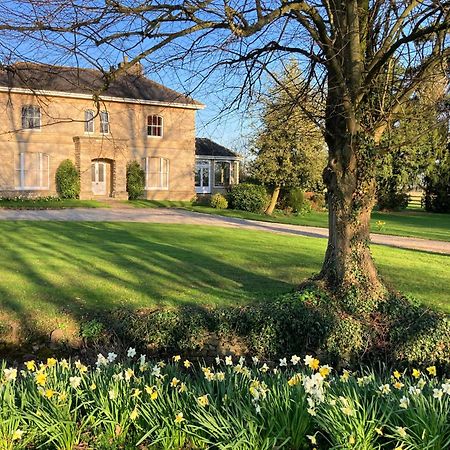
(53, 203)
(53, 270)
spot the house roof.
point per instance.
(73, 80)
(206, 147)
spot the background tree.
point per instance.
(289, 147)
(348, 49)
(437, 184)
(416, 139)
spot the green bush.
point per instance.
(218, 201)
(67, 180)
(249, 197)
(135, 180)
(392, 200)
(295, 200)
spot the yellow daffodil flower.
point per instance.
(179, 418)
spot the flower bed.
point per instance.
(230, 404)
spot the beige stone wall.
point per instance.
(62, 136)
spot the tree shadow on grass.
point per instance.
(55, 272)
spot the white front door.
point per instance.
(202, 176)
(98, 170)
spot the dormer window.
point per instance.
(31, 117)
(104, 122)
(89, 121)
(154, 126)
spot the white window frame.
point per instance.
(230, 164)
(44, 182)
(160, 173)
(156, 127)
(89, 121)
(36, 115)
(104, 114)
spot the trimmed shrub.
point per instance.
(249, 197)
(67, 180)
(218, 201)
(135, 180)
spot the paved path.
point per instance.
(179, 216)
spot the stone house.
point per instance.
(51, 114)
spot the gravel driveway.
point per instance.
(179, 216)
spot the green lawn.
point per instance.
(51, 203)
(49, 268)
(410, 223)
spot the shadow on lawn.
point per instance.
(56, 275)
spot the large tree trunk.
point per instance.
(348, 268)
(273, 200)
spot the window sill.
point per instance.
(157, 189)
(154, 137)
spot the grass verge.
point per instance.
(50, 203)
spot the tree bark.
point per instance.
(273, 200)
(348, 268)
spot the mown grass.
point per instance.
(52, 270)
(53, 203)
(410, 223)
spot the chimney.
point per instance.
(135, 69)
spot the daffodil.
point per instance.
(397, 375)
(136, 393)
(398, 385)
(51, 362)
(179, 418)
(41, 378)
(134, 414)
(112, 394)
(416, 373)
(174, 382)
(64, 364)
(401, 431)
(312, 439)
(404, 402)
(182, 388)
(129, 373)
(203, 400)
(17, 435)
(10, 374)
(345, 376)
(131, 353)
(228, 360)
(295, 359)
(31, 365)
(49, 393)
(75, 382)
(438, 393)
(325, 371)
(431, 371)
(187, 364)
(220, 376)
(176, 358)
